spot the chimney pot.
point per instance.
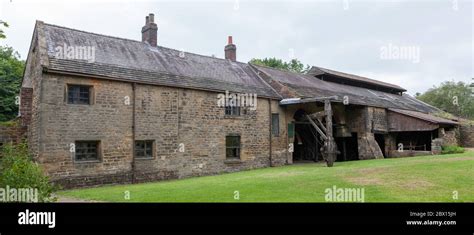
(150, 30)
(229, 40)
(152, 18)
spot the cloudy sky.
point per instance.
(414, 44)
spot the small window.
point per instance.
(275, 124)
(232, 110)
(232, 144)
(87, 150)
(78, 94)
(144, 149)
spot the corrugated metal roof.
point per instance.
(138, 61)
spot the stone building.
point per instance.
(101, 109)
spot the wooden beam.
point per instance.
(321, 133)
(322, 126)
(318, 115)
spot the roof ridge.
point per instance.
(282, 70)
(136, 41)
(98, 34)
(256, 71)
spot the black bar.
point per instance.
(376, 218)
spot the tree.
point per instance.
(456, 98)
(11, 73)
(293, 65)
(5, 24)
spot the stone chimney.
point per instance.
(230, 50)
(150, 30)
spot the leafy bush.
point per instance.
(17, 170)
(452, 149)
(11, 73)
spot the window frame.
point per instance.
(147, 143)
(97, 151)
(232, 111)
(237, 147)
(76, 98)
(275, 124)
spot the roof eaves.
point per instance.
(49, 69)
(434, 119)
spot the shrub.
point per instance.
(17, 170)
(452, 149)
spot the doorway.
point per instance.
(347, 148)
(306, 142)
(380, 139)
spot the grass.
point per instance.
(414, 179)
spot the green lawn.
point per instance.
(415, 179)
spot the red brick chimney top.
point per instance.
(230, 50)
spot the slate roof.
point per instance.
(316, 71)
(137, 61)
(307, 86)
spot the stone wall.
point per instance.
(171, 117)
(30, 107)
(280, 143)
(466, 131)
(11, 132)
(378, 119)
(368, 147)
(26, 102)
(449, 136)
(364, 121)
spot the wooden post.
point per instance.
(330, 143)
(344, 156)
(317, 149)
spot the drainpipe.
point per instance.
(133, 131)
(270, 129)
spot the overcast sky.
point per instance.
(359, 37)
